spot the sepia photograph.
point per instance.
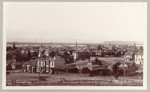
(75, 45)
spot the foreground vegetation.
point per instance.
(71, 79)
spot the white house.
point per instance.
(128, 56)
(139, 58)
(74, 55)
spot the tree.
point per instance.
(98, 61)
(99, 47)
(29, 55)
(141, 48)
(113, 47)
(118, 53)
(35, 54)
(52, 54)
(84, 55)
(85, 70)
(133, 56)
(14, 46)
(8, 48)
(116, 69)
(67, 57)
(93, 54)
(18, 55)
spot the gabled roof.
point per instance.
(44, 59)
(129, 64)
(79, 62)
(129, 53)
(9, 61)
(57, 58)
(31, 62)
(138, 53)
(91, 61)
(104, 63)
(16, 63)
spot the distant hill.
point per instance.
(46, 43)
(37, 43)
(123, 42)
(59, 43)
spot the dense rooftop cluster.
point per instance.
(71, 53)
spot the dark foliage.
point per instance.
(84, 55)
(85, 70)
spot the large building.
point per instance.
(138, 58)
(128, 56)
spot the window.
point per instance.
(47, 65)
(53, 64)
(44, 63)
(38, 63)
(142, 59)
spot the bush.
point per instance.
(85, 70)
(121, 72)
(106, 72)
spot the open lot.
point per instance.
(71, 79)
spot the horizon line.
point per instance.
(70, 42)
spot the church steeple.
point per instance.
(76, 46)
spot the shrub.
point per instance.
(85, 70)
(106, 72)
(121, 72)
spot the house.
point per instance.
(110, 46)
(41, 51)
(45, 65)
(35, 65)
(13, 64)
(128, 68)
(40, 65)
(98, 62)
(138, 58)
(29, 66)
(129, 56)
(92, 62)
(74, 54)
(46, 53)
(58, 62)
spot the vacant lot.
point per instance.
(32, 79)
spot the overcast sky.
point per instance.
(74, 21)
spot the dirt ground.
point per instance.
(70, 79)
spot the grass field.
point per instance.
(71, 79)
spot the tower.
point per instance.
(76, 46)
